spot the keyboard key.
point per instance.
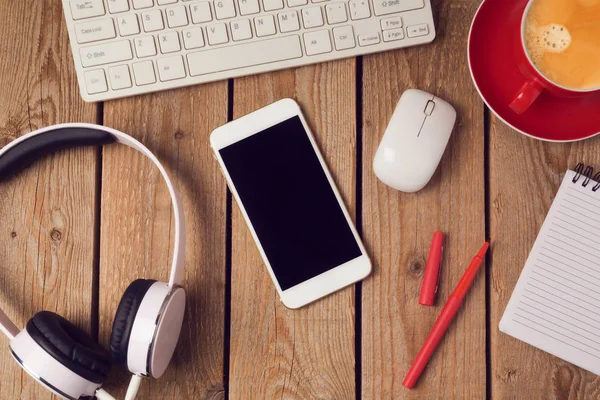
(117, 6)
(296, 3)
(95, 81)
(119, 77)
(417, 30)
(224, 9)
(193, 38)
(128, 25)
(391, 35)
(217, 34)
(91, 31)
(264, 25)
(105, 53)
(169, 42)
(138, 4)
(336, 13)
(317, 42)
(288, 21)
(248, 7)
(271, 5)
(344, 37)
(153, 21)
(171, 68)
(319, 1)
(244, 55)
(81, 9)
(368, 40)
(359, 9)
(144, 46)
(240, 30)
(144, 73)
(176, 17)
(164, 2)
(384, 7)
(312, 17)
(200, 12)
(391, 23)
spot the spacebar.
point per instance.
(244, 55)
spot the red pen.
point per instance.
(446, 316)
(432, 270)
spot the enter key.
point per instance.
(384, 7)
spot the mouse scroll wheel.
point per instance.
(429, 107)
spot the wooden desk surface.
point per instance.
(78, 227)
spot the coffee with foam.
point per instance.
(562, 38)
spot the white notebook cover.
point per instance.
(556, 303)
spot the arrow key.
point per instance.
(417, 30)
(368, 40)
(391, 35)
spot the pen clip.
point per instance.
(437, 283)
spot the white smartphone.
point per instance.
(291, 205)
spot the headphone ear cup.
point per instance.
(69, 345)
(124, 318)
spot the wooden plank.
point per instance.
(47, 212)
(306, 353)
(524, 177)
(137, 228)
(398, 227)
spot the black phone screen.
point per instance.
(290, 203)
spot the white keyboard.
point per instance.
(129, 47)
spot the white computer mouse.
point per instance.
(414, 141)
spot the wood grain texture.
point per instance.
(137, 228)
(398, 227)
(525, 175)
(46, 212)
(49, 216)
(306, 353)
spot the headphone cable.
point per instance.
(134, 386)
(132, 389)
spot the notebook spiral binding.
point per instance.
(586, 172)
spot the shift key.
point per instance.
(106, 53)
(384, 7)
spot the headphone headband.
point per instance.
(23, 151)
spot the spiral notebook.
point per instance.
(556, 303)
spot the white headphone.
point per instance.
(148, 321)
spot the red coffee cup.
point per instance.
(536, 82)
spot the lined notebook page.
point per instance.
(556, 303)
